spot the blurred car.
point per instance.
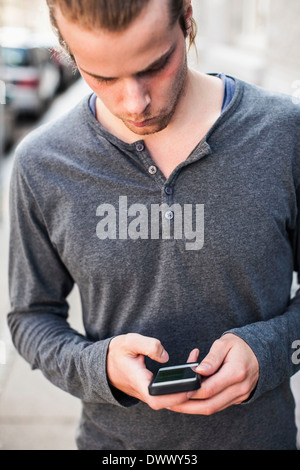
(7, 118)
(67, 70)
(9, 127)
(28, 69)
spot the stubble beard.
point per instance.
(164, 116)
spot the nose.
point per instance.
(136, 97)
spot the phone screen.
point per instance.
(175, 379)
(173, 374)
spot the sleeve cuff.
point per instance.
(108, 393)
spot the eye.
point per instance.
(105, 81)
(156, 69)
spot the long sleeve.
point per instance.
(276, 341)
(273, 344)
(39, 286)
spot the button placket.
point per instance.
(152, 170)
(140, 147)
(168, 190)
(169, 214)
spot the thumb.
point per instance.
(193, 357)
(214, 359)
(147, 346)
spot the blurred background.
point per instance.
(255, 40)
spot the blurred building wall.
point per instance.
(255, 40)
(32, 14)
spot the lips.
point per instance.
(142, 123)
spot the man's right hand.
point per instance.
(127, 372)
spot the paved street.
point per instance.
(34, 415)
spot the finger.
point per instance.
(193, 357)
(168, 401)
(137, 344)
(217, 383)
(214, 359)
(213, 405)
(227, 379)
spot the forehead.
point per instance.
(109, 53)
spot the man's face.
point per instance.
(139, 74)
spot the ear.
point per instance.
(188, 15)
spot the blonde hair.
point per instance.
(113, 15)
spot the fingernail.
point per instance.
(204, 367)
(165, 355)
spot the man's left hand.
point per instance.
(229, 373)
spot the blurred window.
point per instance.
(15, 57)
(255, 21)
(41, 55)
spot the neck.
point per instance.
(182, 113)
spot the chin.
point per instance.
(148, 130)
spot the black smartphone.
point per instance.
(181, 378)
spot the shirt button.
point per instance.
(169, 215)
(140, 147)
(168, 190)
(152, 170)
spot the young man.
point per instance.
(170, 198)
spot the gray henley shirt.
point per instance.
(210, 249)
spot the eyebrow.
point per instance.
(154, 64)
